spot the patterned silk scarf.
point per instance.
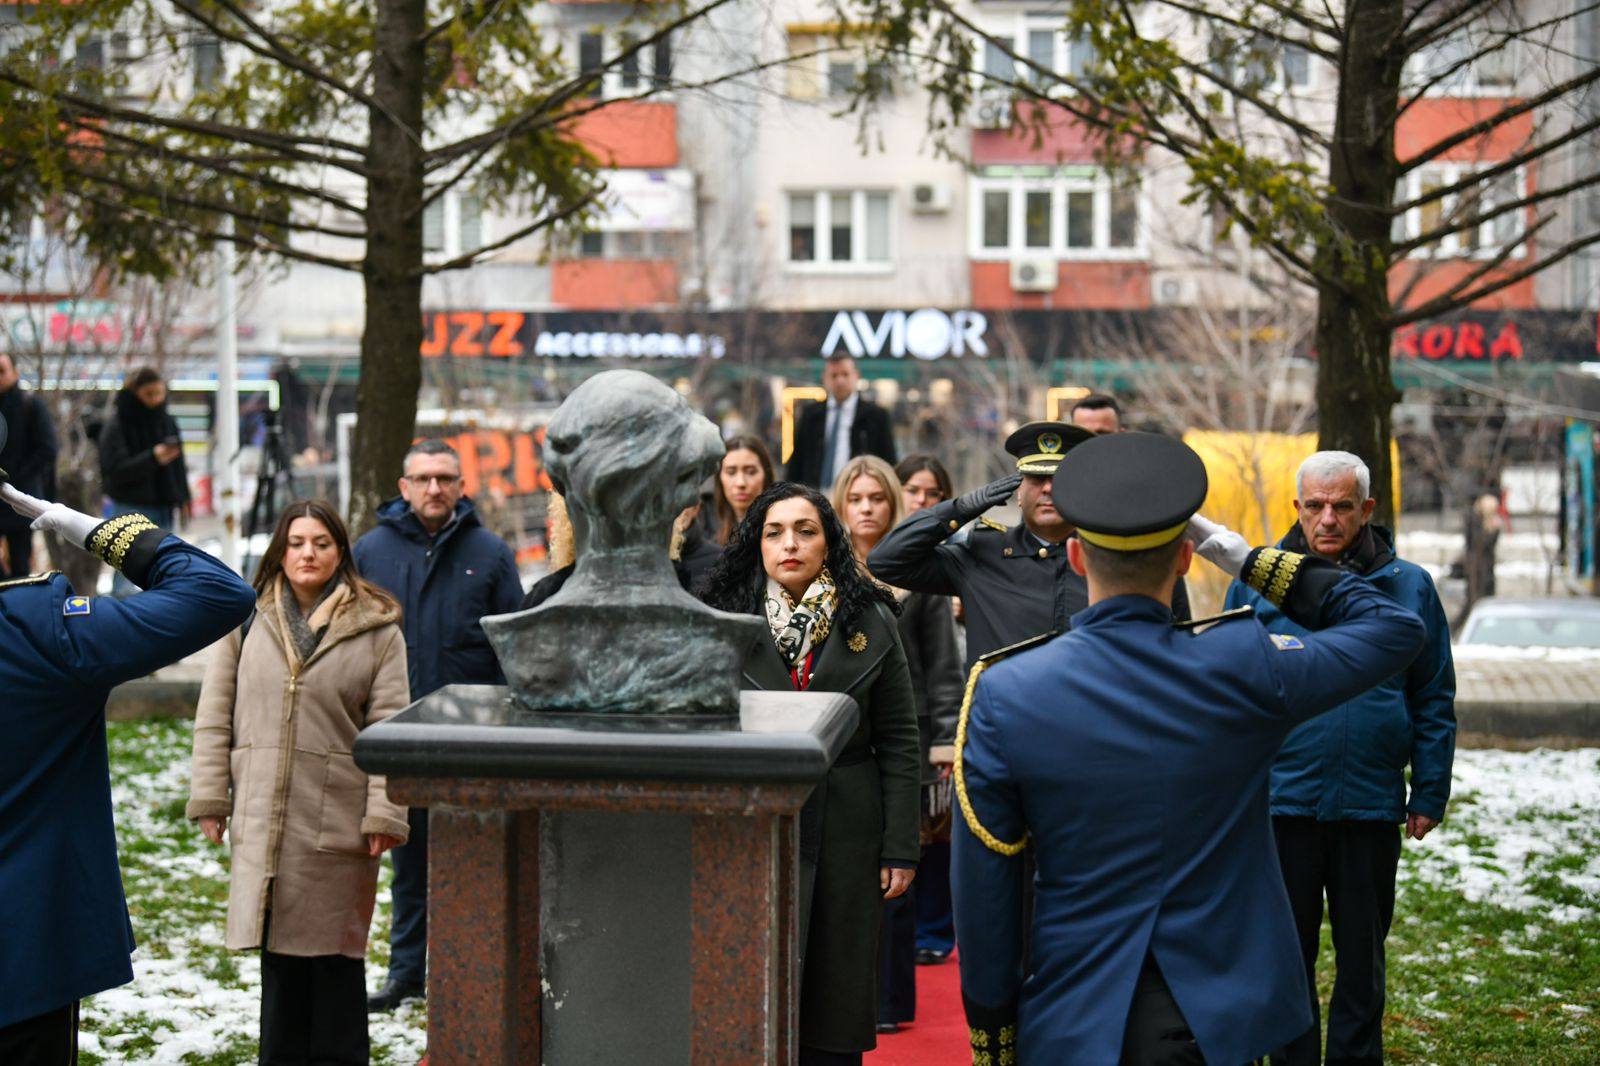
(800, 628)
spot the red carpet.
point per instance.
(939, 1035)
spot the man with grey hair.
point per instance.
(1339, 781)
(432, 554)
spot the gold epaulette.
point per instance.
(31, 579)
(989, 840)
(1200, 625)
(986, 521)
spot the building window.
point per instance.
(1452, 65)
(634, 70)
(1074, 212)
(1482, 240)
(629, 244)
(206, 55)
(452, 225)
(1260, 63)
(821, 67)
(839, 230)
(1039, 39)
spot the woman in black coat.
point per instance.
(141, 458)
(833, 629)
(868, 498)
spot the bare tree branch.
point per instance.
(1500, 118)
(1455, 224)
(531, 228)
(1210, 14)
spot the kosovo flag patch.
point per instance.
(76, 605)
(1287, 643)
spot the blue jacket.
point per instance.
(445, 583)
(64, 929)
(1134, 754)
(1350, 764)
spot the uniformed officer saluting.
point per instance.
(1013, 583)
(64, 930)
(1139, 750)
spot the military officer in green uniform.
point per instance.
(1014, 582)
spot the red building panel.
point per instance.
(613, 284)
(1429, 121)
(1103, 285)
(630, 133)
(1062, 141)
(1416, 281)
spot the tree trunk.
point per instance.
(1355, 389)
(391, 339)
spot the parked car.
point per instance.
(1551, 622)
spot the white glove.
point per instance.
(1218, 545)
(73, 526)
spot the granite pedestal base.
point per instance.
(604, 895)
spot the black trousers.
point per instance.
(408, 930)
(897, 959)
(1157, 1033)
(19, 552)
(810, 1056)
(313, 1010)
(49, 1039)
(1354, 864)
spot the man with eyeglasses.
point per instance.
(431, 552)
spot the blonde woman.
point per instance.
(868, 498)
(283, 699)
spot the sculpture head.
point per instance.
(628, 454)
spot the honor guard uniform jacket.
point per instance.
(1013, 586)
(64, 929)
(1133, 754)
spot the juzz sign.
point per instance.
(927, 333)
(1459, 340)
(509, 334)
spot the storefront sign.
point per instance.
(924, 334)
(648, 201)
(1459, 340)
(508, 334)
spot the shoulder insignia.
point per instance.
(31, 579)
(1200, 625)
(76, 605)
(989, 523)
(995, 656)
(1284, 642)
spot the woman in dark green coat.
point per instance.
(833, 629)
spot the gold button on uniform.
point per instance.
(1008, 551)
(954, 525)
(1043, 552)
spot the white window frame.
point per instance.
(819, 67)
(1058, 182)
(450, 206)
(1015, 30)
(612, 44)
(1409, 225)
(1280, 85)
(822, 201)
(1471, 85)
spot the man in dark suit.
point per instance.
(831, 434)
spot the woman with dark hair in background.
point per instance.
(283, 699)
(141, 458)
(745, 473)
(925, 482)
(868, 497)
(833, 629)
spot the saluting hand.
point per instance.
(48, 517)
(972, 504)
(1219, 545)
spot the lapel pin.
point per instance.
(858, 642)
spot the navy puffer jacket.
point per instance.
(1350, 764)
(445, 583)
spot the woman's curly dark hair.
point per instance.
(738, 583)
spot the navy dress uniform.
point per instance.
(64, 928)
(1133, 753)
(1012, 584)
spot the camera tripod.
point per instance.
(274, 487)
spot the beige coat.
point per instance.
(272, 746)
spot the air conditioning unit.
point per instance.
(930, 198)
(992, 111)
(1175, 291)
(1034, 274)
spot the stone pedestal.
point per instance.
(608, 892)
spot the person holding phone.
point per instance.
(141, 458)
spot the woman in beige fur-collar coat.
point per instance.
(282, 702)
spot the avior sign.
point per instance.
(927, 333)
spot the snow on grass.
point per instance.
(191, 1000)
(1522, 832)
